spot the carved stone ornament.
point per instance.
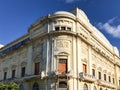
(14, 66)
(5, 69)
(63, 44)
(23, 63)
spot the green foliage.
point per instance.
(9, 85)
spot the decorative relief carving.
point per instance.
(13, 66)
(23, 63)
(99, 68)
(63, 22)
(37, 50)
(103, 53)
(84, 60)
(84, 50)
(5, 69)
(63, 44)
(93, 65)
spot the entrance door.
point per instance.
(62, 67)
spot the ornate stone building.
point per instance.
(61, 51)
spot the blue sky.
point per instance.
(17, 15)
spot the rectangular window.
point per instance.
(68, 28)
(105, 77)
(84, 68)
(37, 66)
(13, 73)
(109, 78)
(93, 72)
(99, 75)
(62, 66)
(62, 28)
(119, 82)
(57, 28)
(5, 75)
(113, 81)
(22, 71)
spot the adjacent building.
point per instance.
(61, 51)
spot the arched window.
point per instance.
(85, 87)
(94, 88)
(35, 86)
(62, 84)
(100, 88)
(21, 87)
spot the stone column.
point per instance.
(29, 67)
(89, 60)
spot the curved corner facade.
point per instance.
(61, 51)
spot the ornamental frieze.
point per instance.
(64, 44)
(63, 22)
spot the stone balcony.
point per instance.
(106, 84)
(87, 77)
(30, 77)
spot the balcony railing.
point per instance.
(87, 77)
(28, 77)
(106, 84)
(67, 74)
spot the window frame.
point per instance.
(13, 73)
(23, 70)
(57, 28)
(84, 66)
(5, 75)
(63, 28)
(99, 75)
(105, 77)
(113, 80)
(37, 68)
(109, 78)
(61, 60)
(85, 87)
(35, 86)
(93, 72)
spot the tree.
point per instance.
(9, 86)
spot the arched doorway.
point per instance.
(85, 87)
(94, 88)
(35, 86)
(100, 88)
(62, 84)
(21, 87)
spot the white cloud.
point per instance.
(1, 45)
(110, 27)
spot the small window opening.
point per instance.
(62, 84)
(57, 28)
(68, 28)
(63, 28)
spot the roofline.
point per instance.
(15, 41)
